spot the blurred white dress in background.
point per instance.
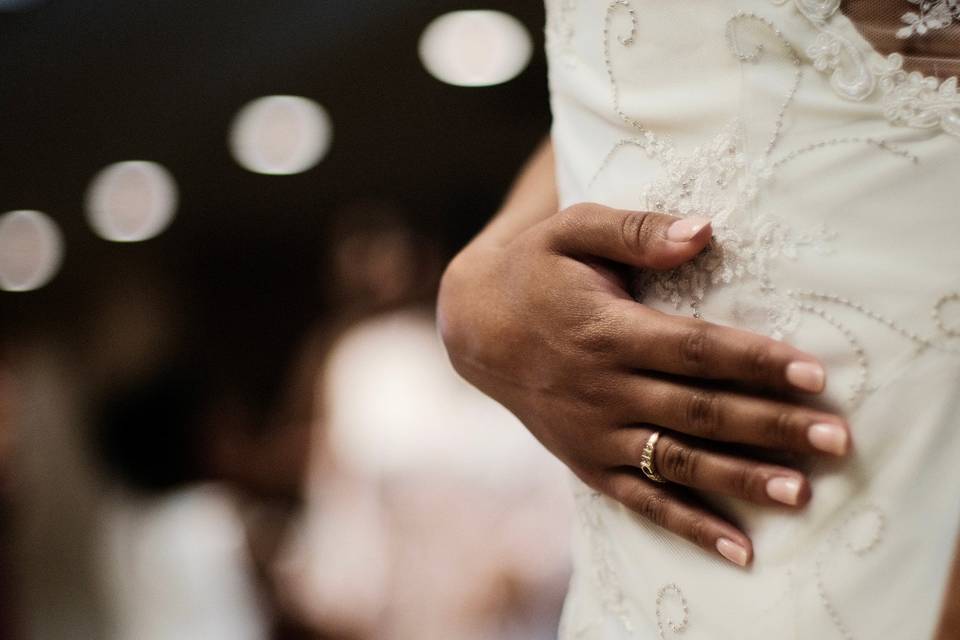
(832, 176)
(179, 567)
(432, 514)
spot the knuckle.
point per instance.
(694, 349)
(636, 231)
(598, 333)
(743, 481)
(784, 428)
(679, 462)
(699, 532)
(650, 504)
(703, 414)
(569, 223)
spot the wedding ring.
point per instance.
(646, 459)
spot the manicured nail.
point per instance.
(808, 376)
(732, 551)
(831, 438)
(784, 490)
(686, 229)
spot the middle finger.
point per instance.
(726, 416)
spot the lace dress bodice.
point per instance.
(823, 140)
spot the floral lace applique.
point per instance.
(907, 98)
(915, 100)
(932, 15)
(717, 181)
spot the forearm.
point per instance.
(532, 198)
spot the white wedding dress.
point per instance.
(832, 175)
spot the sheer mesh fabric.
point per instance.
(925, 32)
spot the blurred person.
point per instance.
(208, 434)
(430, 514)
(217, 438)
(787, 169)
(379, 260)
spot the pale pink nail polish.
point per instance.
(687, 229)
(784, 490)
(732, 551)
(808, 376)
(830, 438)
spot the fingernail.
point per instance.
(808, 376)
(686, 229)
(784, 490)
(831, 438)
(732, 551)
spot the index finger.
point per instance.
(665, 343)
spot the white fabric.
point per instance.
(836, 230)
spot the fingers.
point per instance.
(662, 506)
(682, 462)
(731, 417)
(637, 238)
(666, 343)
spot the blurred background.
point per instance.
(224, 408)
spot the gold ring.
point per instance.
(646, 459)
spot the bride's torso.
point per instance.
(833, 178)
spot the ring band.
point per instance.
(646, 459)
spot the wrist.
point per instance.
(462, 303)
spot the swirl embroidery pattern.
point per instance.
(721, 180)
(872, 522)
(718, 180)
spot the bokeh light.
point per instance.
(280, 135)
(475, 48)
(31, 250)
(131, 201)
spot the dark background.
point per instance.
(247, 266)
(85, 84)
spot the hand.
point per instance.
(543, 323)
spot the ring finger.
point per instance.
(679, 460)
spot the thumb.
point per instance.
(638, 238)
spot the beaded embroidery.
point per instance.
(718, 180)
(607, 580)
(664, 621)
(873, 518)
